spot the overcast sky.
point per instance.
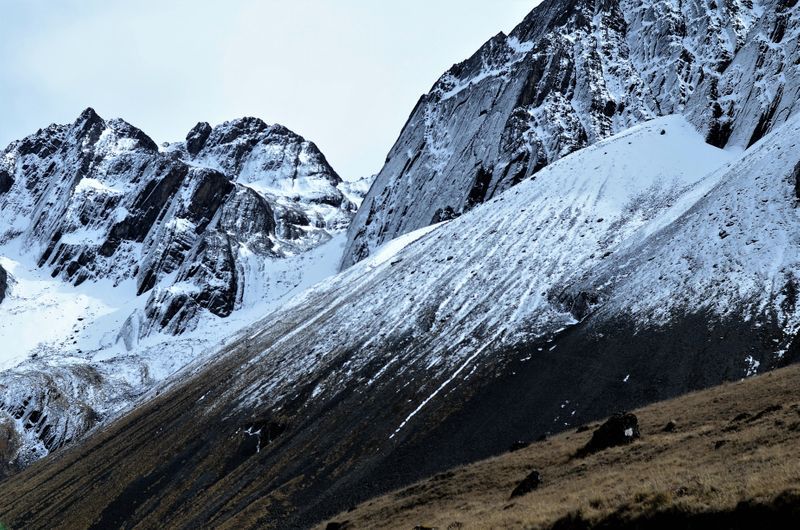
(343, 73)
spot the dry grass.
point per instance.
(681, 470)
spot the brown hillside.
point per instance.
(731, 461)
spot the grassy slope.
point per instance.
(682, 472)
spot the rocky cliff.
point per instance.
(97, 199)
(572, 73)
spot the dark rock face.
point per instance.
(572, 73)
(197, 137)
(619, 429)
(528, 484)
(796, 178)
(3, 284)
(5, 182)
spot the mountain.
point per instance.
(625, 258)
(523, 316)
(129, 261)
(572, 73)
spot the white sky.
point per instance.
(343, 73)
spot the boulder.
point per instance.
(528, 484)
(516, 446)
(619, 429)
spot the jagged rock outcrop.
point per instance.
(96, 199)
(574, 72)
(269, 158)
(53, 409)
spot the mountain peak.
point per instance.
(89, 125)
(88, 114)
(197, 137)
(231, 130)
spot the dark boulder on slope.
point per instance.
(528, 484)
(619, 429)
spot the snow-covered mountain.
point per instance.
(572, 73)
(128, 261)
(593, 213)
(601, 284)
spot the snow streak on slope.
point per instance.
(41, 311)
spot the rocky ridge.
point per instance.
(97, 199)
(572, 73)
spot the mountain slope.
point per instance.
(727, 462)
(572, 73)
(116, 247)
(733, 253)
(444, 347)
